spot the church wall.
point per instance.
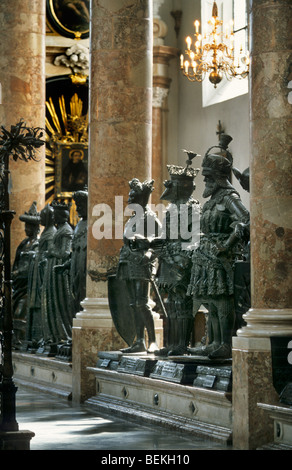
(190, 126)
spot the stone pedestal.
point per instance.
(93, 331)
(184, 408)
(281, 416)
(15, 440)
(252, 383)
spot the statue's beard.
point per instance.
(210, 188)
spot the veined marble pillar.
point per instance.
(162, 55)
(120, 143)
(22, 79)
(271, 222)
(161, 84)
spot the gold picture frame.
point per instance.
(69, 18)
(71, 170)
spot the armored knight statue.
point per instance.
(136, 266)
(242, 294)
(20, 269)
(174, 260)
(222, 228)
(56, 303)
(34, 327)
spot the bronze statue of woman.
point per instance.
(34, 326)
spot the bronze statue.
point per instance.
(136, 266)
(56, 302)
(20, 271)
(174, 271)
(34, 326)
(75, 266)
(79, 251)
(223, 222)
(242, 294)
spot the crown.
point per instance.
(61, 205)
(182, 172)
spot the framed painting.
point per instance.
(71, 172)
(69, 18)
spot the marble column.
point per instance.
(120, 124)
(162, 55)
(271, 222)
(22, 79)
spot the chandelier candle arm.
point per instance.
(208, 54)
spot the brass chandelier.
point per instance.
(213, 54)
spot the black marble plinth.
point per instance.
(214, 377)
(64, 352)
(136, 365)
(109, 359)
(182, 373)
(47, 350)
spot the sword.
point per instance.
(157, 293)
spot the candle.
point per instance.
(186, 66)
(189, 42)
(182, 60)
(197, 24)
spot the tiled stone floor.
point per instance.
(58, 425)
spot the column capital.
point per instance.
(159, 95)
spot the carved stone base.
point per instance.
(201, 412)
(43, 373)
(282, 418)
(15, 440)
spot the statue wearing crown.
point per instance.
(180, 232)
(129, 291)
(223, 224)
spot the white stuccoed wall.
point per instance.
(191, 126)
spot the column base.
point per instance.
(265, 323)
(93, 331)
(252, 384)
(15, 440)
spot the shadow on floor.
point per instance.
(58, 425)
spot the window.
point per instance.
(228, 10)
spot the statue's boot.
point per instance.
(162, 352)
(226, 320)
(203, 350)
(223, 352)
(147, 316)
(183, 334)
(138, 346)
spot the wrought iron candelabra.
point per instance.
(20, 143)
